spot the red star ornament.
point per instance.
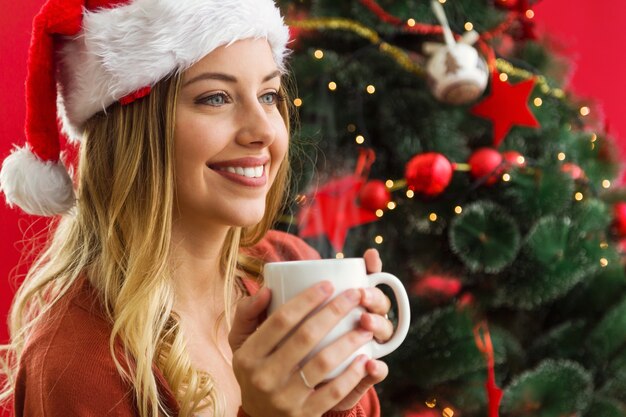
(333, 211)
(506, 106)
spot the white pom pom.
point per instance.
(37, 187)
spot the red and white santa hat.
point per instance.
(88, 54)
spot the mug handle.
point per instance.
(404, 313)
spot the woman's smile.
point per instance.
(248, 171)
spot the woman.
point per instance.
(146, 300)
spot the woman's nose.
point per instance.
(256, 128)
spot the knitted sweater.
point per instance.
(66, 369)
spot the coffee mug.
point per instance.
(287, 279)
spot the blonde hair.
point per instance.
(125, 182)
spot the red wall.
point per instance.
(15, 23)
(591, 33)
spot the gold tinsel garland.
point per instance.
(403, 59)
(507, 67)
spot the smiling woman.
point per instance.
(146, 300)
(230, 135)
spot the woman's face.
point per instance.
(229, 136)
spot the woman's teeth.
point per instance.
(250, 172)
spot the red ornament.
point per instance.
(334, 211)
(513, 159)
(486, 163)
(506, 106)
(619, 218)
(573, 170)
(437, 288)
(374, 196)
(428, 173)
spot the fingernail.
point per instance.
(364, 295)
(353, 295)
(362, 359)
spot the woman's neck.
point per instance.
(196, 270)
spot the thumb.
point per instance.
(248, 317)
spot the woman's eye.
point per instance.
(215, 99)
(269, 98)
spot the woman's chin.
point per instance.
(247, 220)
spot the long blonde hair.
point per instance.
(125, 182)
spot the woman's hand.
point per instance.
(377, 305)
(375, 302)
(265, 360)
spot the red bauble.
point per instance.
(513, 159)
(374, 196)
(619, 218)
(428, 173)
(486, 163)
(573, 170)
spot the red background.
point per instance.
(589, 33)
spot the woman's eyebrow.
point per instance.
(225, 77)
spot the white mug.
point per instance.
(287, 279)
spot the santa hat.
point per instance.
(88, 54)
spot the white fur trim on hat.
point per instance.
(126, 48)
(41, 188)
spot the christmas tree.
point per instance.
(443, 139)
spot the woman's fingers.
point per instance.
(375, 301)
(312, 331)
(377, 304)
(327, 360)
(373, 263)
(380, 326)
(376, 372)
(332, 393)
(261, 384)
(281, 322)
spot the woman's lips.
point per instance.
(250, 171)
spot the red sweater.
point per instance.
(66, 369)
